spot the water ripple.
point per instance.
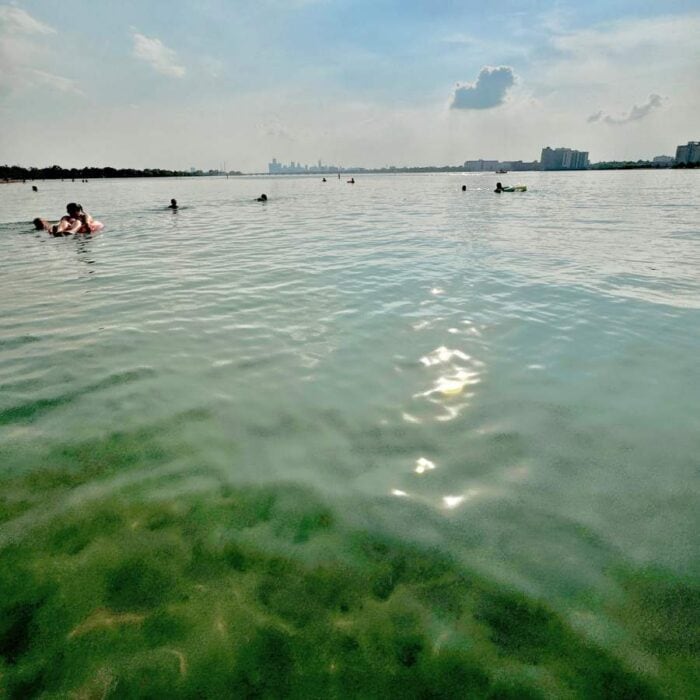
(473, 355)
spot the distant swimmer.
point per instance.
(173, 204)
(513, 188)
(262, 198)
(464, 188)
(41, 224)
(324, 179)
(351, 181)
(35, 188)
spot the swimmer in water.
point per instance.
(262, 198)
(464, 188)
(351, 181)
(76, 221)
(173, 204)
(41, 224)
(499, 188)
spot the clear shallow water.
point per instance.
(510, 380)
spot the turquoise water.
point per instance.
(507, 382)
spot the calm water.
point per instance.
(511, 380)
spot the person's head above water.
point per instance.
(499, 187)
(262, 198)
(74, 209)
(464, 188)
(173, 203)
(40, 224)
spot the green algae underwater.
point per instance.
(265, 591)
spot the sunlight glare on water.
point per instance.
(510, 378)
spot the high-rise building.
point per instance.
(563, 159)
(688, 154)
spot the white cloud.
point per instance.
(15, 20)
(628, 35)
(624, 55)
(58, 82)
(25, 51)
(154, 52)
(605, 69)
(635, 114)
(488, 91)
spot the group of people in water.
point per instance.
(76, 220)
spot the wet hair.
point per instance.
(464, 188)
(38, 223)
(173, 201)
(262, 198)
(72, 206)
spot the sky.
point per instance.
(203, 83)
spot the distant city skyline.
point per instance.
(187, 84)
(557, 158)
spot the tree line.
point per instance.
(56, 172)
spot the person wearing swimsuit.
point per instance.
(75, 221)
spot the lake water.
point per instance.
(507, 383)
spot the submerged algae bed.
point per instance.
(116, 591)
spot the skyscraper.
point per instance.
(688, 154)
(563, 159)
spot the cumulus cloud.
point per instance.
(154, 52)
(488, 91)
(635, 114)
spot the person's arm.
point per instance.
(85, 221)
(61, 226)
